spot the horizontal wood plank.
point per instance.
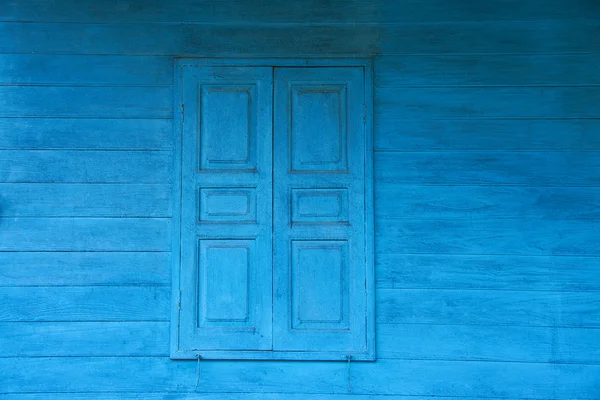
(489, 237)
(85, 200)
(85, 303)
(212, 40)
(487, 102)
(85, 234)
(68, 339)
(394, 341)
(398, 134)
(74, 166)
(106, 101)
(489, 307)
(444, 271)
(86, 133)
(533, 168)
(313, 11)
(84, 268)
(488, 343)
(486, 202)
(183, 39)
(492, 37)
(388, 377)
(28, 69)
(487, 70)
(224, 396)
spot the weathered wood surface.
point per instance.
(387, 377)
(398, 201)
(77, 166)
(211, 40)
(86, 133)
(85, 268)
(85, 234)
(85, 200)
(107, 101)
(296, 12)
(394, 341)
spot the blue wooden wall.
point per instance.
(487, 166)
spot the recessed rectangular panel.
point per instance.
(319, 205)
(319, 273)
(227, 204)
(225, 289)
(318, 128)
(228, 134)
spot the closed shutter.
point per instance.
(226, 272)
(319, 210)
(273, 256)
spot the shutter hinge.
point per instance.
(365, 113)
(182, 112)
(179, 300)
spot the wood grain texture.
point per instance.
(85, 234)
(495, 37)
(496, 272)
(106, 101)
(86, 133)
(73, 268)
(84, 303)
(228, 12)
(397, 201)
(395, 341)
(399, 134)
(487, 70)
(67, 339)
(227, 396)
(74, 166)
(576, 168)
(487, 102)
(488, 307)
(84, 200)
(36, 69)
(389, 377)
(183, 39)
(489, 237)
(488, 343)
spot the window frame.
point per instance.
(367, 64)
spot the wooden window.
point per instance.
(273, 243)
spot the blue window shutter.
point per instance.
(273, 252)
(225, 280)
(320, 264)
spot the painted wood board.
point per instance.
(487, 70)
(68, 339)
(90, 101)
(85, 234)
(84, 303)
(496, 272)
(386, 377)
(487, 102)
(459, 133)
(489, 237)
(81, 166)
(531, 168)
(395, 341)
(488, 307)
(74, 268)
(398, 201)
(526, 37)
(58, 69)
(272, 11)
(84, 200)
(86, 133)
